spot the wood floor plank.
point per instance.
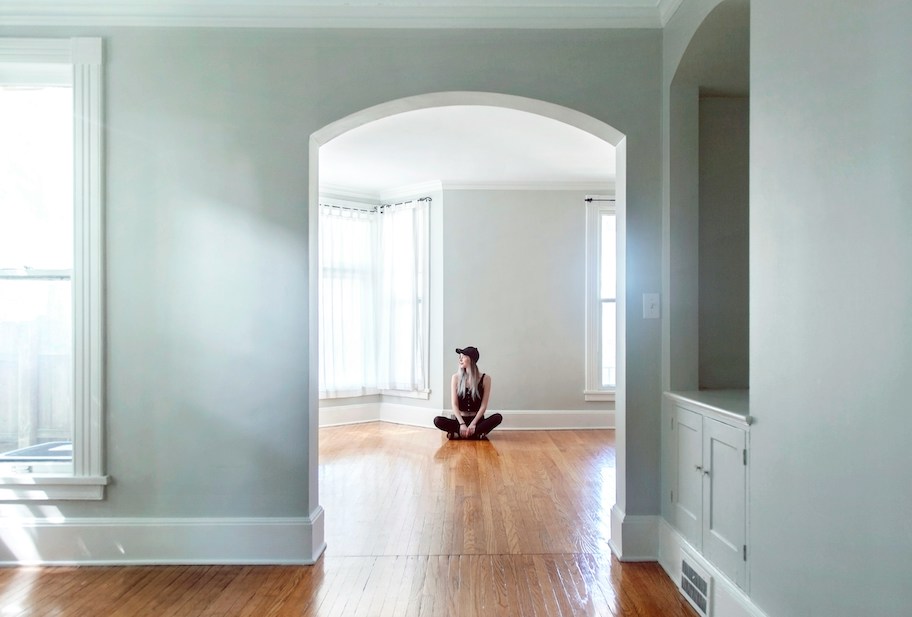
(414, 570)
(228, 603)
(416, 526)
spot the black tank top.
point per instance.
(467, 403)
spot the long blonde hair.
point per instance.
(469, 380)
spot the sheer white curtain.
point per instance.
(373, 299)
(347, 308)
(403, 294)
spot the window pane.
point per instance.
(403, 236)
(609, 350)
(36, 233)
(36, 177)
(346, 301)
(36, 369)
(607, 257)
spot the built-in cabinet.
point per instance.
(706, 325)
(708, 465)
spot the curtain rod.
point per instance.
(589, 200)
(374, 208)
(402, 203)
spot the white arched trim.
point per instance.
(566, 115)
(446, 99)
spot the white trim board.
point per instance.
(728, 600)
(349, 414)
(331, 191)
(634, 538)
(514, 420)
(564, 419)
(134, 541)
(304, 14)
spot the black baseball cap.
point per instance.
(470, 352)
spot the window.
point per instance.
(51, 388)
(347, 307)
(374, 282)
(601, 299)
(404, 280)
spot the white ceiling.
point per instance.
(467, 146)
(344, 13)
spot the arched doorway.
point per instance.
(565, 115)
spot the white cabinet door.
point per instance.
(724, 498)
(687, 502)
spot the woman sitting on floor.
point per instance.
(469, 394)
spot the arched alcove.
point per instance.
(707, 219)
(559, 113)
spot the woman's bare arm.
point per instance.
(454, 397)
(484, 402)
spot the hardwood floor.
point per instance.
(416, 526)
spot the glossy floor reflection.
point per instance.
(395, 490)
(416, 526)
(517, 525)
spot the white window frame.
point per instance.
(596, 205)
(87, 480)
(366, 207)
(423, 302)
(422, 309)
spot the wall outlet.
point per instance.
(651, 306)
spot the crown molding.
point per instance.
(338, 191)
(377, 196)
(302, 14)
(411, 190)
(599, 187)
(335, 191)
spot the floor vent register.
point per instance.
(696, 585)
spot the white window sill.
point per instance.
(599, 395)
(52, 488)
(421, 394)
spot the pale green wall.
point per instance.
(508, 276)
(723, 243)
(831, 290)
(514, 286)
(705, 59)
(207, 149)
(682, 303)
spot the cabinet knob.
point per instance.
(698, 467)
(705, 472)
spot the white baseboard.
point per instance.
(349, 414)
(408, 414)
(634, 538)
(396, 413)
(728, 600)
(514, 419)
(133, 541)
(564, 419)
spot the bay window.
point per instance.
(374, 282)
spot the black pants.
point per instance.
(484, 426)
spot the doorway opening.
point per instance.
(457, 235)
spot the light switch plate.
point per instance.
(651, 306)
